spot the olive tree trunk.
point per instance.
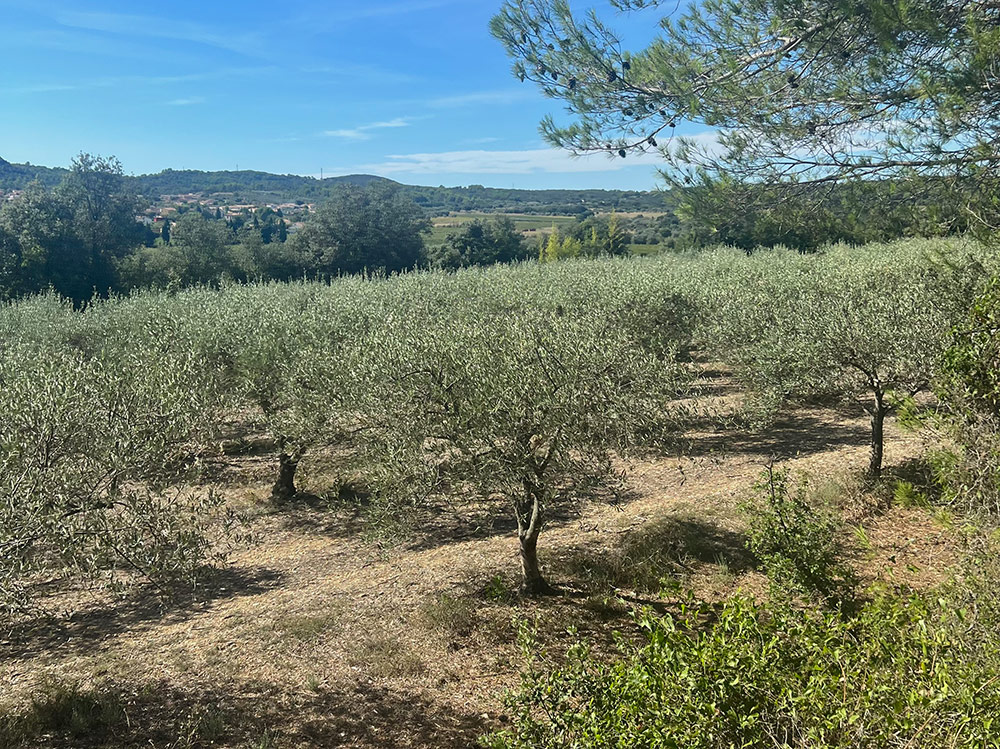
(878, 414)
(284, 488)
(528, 510)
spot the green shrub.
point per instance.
(906, 494)
(897, 675)
(969, 388)
(796, 544)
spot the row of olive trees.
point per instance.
(513, 382)
(495, 380)
(94, 445)
(519, 381)
(864, 325)
(521, 396)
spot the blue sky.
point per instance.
(414, 90)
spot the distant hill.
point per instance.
(260, 185)
(19, 176)
(263, 187)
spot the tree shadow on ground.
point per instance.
(375, 716)
(795, 434)
(142, 609)
(448, 524)
(600, 588)
(659, 551)
(349, 513)
(247, 713)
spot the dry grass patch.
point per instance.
(452, 616)
(659, 555)
(316, 637)
(306, 627)
(385, 657)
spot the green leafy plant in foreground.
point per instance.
(969, 388)
(796, 544)
(899, 674)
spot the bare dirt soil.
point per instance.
(314, 637)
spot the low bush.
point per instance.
(796, 544)
(901, 673)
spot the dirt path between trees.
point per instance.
(315, 638)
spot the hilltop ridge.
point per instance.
(265, 187)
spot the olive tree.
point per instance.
(521, 402)
(279, 353)
(94, 443)
(865, 325)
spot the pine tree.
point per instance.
(796, 93)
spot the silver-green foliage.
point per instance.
(506, 380)
(516, 381)
(97, 430)
(865, 325)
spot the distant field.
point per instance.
(532, 226)
(444, 226)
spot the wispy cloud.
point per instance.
(531, 161)
(79, 41)
(126, 24)
(329, 19)
(364, 132)
(127, 80)
(186, 102)
(505, 96)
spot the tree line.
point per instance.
(84, 237)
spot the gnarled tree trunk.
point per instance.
(532, 582)
(878, 414)
(528, 510)
(284, 488)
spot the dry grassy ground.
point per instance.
(314, 637)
